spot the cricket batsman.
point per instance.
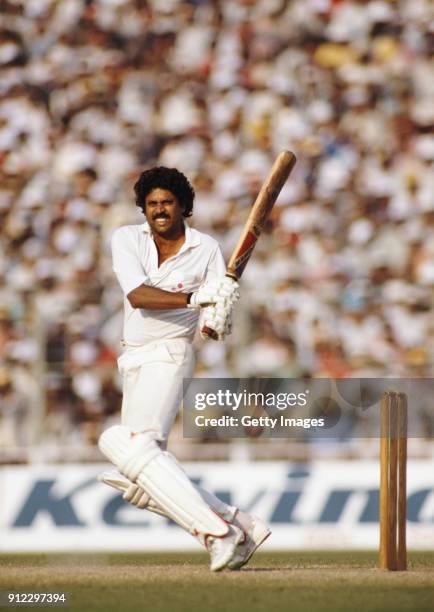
(172, 277)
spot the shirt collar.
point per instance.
(192, 238)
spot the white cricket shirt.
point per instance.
(135, 262)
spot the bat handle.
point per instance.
(208, 331)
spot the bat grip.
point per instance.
(208, 331)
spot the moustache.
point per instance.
(160, 216)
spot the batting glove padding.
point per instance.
(221, 289)
(218, 318)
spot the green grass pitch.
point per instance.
(177, 582)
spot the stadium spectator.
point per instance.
(93, 91)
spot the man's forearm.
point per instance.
(153, 298)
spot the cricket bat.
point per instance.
(267, 196)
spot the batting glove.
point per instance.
(218, 319)
(221, 289)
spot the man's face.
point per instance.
(163, 212)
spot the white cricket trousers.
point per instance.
(153, 384)
(152, 394)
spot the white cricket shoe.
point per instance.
(222, 549)
(256, 533)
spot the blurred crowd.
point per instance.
(94, 91)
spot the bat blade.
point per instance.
(259, 213)
(255, 223)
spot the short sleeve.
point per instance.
(126, 263)
(216, 265)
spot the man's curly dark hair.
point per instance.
(165, 178)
